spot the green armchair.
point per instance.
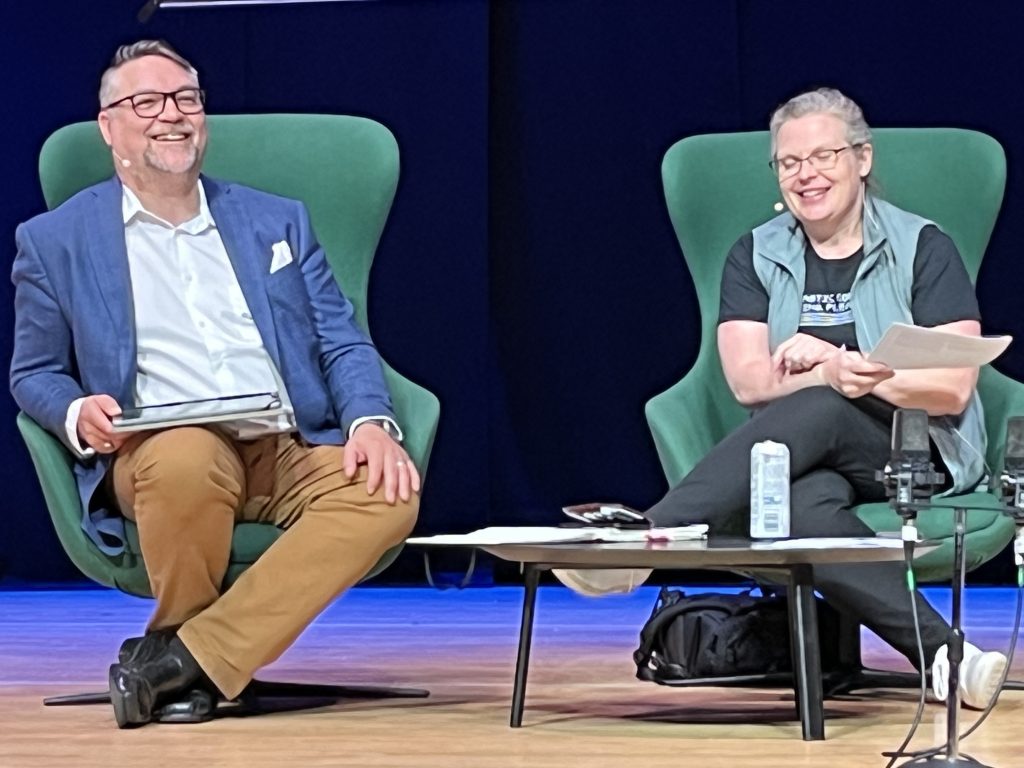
(346, 171)
(719, 186)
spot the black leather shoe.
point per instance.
(136, 688)
(196, 706)
(139, 650)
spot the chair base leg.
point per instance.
(861, 678)
(273, 689)
(259, 697)
(77, 699)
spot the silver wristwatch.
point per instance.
(388, 427)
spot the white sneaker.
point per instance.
(980, 673)
(595, 582)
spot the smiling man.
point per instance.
(161, 285)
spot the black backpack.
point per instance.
(722, 635)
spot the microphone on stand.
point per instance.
(1012, 481)
(910, 477)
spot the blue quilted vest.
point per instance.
(880, 296)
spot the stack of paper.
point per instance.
(911, 346)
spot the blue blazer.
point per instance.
(75, 334)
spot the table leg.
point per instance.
(803, 633)
(532, 577)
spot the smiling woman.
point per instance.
(821, 179)
(804, 297)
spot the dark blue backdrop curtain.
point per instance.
(528, 274)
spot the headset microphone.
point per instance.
(124, 161)
(778, 207)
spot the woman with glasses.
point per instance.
(803, 297)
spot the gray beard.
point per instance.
(154, 161)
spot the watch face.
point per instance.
(389, 428)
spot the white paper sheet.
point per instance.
(555, 535)
(910, 346)
(849, 542)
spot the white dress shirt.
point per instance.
(195, 335)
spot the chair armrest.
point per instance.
(418, 412)
(691, 417)
(55, 469)
(1003, 397)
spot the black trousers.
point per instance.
(835, 445)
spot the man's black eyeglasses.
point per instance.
(189, 101)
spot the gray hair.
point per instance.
(824, 100)
(137, 50)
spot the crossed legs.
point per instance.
(835, 445)
(185, 488)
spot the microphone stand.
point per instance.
(910, 484)
(952, 756)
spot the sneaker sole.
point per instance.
(992, 666)
(569, 578)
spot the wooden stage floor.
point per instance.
(584, 706)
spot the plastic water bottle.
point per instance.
(769, 491)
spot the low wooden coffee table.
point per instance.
(794, 565)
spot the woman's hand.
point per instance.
(800, 353)
(851, 374)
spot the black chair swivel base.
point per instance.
(843, 682)
(259, 697)
(847, 681)
(851, 675)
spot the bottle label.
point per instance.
(769, 490)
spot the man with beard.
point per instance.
(162, 285)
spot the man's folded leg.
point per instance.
(335, 533)
(183, 488)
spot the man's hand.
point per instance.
(94, 427)
(851, 374)
(801, 352)
(386, 463)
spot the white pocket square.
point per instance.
(282, 256)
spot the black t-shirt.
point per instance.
(941, 293)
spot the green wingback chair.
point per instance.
(346, 171)
(718, 187)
